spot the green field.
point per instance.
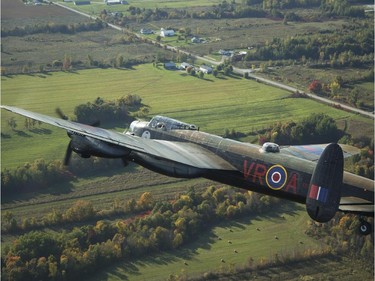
(96, 7)
(246, 104)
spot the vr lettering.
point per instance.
(255, 171)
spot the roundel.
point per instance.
(276, 177)
(146, 135)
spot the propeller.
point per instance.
(68, 154)
(61, 114)
(69, 149)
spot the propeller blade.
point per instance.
(61, 114)
(68, 154)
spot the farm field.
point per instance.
(247, 105)
(96, 7)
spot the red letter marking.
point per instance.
(246, 171)
(260, 172)
(255, 170)
(292, 184)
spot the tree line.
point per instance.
(109, 110)
(351, 46)
(341, 234)
(231, 9)
(71, 28)
(317, 128)
(81, 211)
(72, 255)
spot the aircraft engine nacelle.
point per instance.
(324, 194)
(86, 147)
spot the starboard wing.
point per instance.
(185, 153)
(357, 195)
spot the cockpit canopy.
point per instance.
(166, 123)
(270, 147)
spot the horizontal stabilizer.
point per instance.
(313, 152)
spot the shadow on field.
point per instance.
(31, 195)
(22, 134)
(41, 131)
(176, 256)
(278, 212)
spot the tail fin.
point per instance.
(324, 194)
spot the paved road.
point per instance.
(240, 70)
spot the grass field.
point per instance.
(246, 104)
(96, 7)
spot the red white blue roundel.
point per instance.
(276, 177)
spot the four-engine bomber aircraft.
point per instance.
(311, 174)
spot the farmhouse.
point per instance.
(185, 65)
(198, 40)
(205, 69)
(170, 65)
(115, 2)
(195, 40)
(84, 2)
(226, 53)
(147, 31)
(166, 32)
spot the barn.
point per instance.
(166, 32)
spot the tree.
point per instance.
(315, 87)
(335, 87)
(178, 240)
(80, 210)
(354, 95)
(119, 61)
(36, 244)
(146, 201)
(67, 62)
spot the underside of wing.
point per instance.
(357, 195)
(357, 205)
(180, 152)
(312, 152)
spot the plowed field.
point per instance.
(16, 13)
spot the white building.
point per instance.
(166, 32)
(206, 69)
